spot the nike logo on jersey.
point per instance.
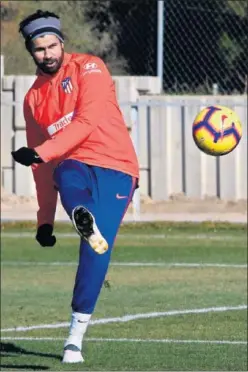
(118, 196)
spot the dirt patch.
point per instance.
(181, 203)
(176, 204)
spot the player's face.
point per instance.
(48, 53)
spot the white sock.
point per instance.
(78, 327)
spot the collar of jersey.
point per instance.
(67, 58)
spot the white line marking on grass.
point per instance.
(168, 341)
(127, 318)
(131, 264)
(177, 264)
(180, 236)
(34, 263)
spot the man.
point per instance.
(79, 146)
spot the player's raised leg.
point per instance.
(75, 185)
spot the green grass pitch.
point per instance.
(177, 300)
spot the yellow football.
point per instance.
(217, 130)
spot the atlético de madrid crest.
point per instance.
(67, 85)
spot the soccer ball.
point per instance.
(217, 130)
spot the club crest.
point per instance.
(67, 85)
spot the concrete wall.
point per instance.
(160, 127)
(169, 159)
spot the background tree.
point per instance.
(204, 42)
(79, 29)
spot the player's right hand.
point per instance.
(26, 156)
(44, 235)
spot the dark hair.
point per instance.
(38, 14)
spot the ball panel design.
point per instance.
(217, 130)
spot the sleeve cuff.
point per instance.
(42, 154)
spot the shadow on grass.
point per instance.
(24, 367)
(9, 349)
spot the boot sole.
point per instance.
(85, 225)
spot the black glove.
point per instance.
(44, 235)
(26, 156)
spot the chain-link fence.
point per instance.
(204, 42)
(134, 25)
(205, 46)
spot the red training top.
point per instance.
(74, 114)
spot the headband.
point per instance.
(42, 26)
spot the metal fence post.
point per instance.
(135, 135)
(160, 43)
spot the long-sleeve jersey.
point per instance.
(74, 114)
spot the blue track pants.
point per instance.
(106, 194)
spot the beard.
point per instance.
(52, 65)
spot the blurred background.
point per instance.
(168, 59)
(203, 43)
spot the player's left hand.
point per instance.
(44, 235)
(26, 156)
